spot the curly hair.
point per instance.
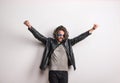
(66, 35)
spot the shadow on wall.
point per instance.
(33, 57)
(34, 71)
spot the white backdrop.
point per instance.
(97, 57)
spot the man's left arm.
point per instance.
(82, 36)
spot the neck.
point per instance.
(58, 42)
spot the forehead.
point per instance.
(61, 31)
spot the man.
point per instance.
(58, 53)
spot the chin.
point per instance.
(60, 40)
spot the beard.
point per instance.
(60, 39)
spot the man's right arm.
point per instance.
(36, 34)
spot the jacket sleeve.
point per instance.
(80, 37)
(37, 35)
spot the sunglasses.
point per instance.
(59, 35)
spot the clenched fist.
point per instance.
(27, 23)
(95, 26)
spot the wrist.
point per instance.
(93, 28)
(30, 27)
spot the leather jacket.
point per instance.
(51, 44)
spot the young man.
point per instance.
(58, 53)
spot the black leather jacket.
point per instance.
(51, 44)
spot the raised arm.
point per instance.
(36, 34)
(82, 36)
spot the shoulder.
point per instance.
(50, 39)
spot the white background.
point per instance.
(97, 57)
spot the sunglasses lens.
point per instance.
(60, 35)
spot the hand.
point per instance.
(27, 23)
(95, 26)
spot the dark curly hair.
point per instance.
(66, 35)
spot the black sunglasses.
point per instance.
(60, 35)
